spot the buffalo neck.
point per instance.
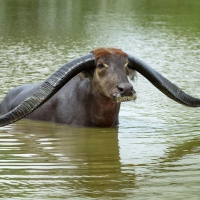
(103, 111)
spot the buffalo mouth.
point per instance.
(125, 98)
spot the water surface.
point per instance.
(154, 153)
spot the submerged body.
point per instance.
(75, 103)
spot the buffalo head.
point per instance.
(109, 76)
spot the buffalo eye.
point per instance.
(100, 66)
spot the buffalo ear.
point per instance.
(87, 73)
(130, 73)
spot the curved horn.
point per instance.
(164, 85)
(54, 83)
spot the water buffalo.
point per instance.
(96, 85)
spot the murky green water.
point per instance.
(155, 152)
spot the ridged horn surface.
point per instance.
(164, 85)
(53, 84)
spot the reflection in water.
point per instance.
(155, 152)
(182, 150)
(85, 160)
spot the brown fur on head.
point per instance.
(106, 53)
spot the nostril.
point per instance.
(132, 89)
(120, 89)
